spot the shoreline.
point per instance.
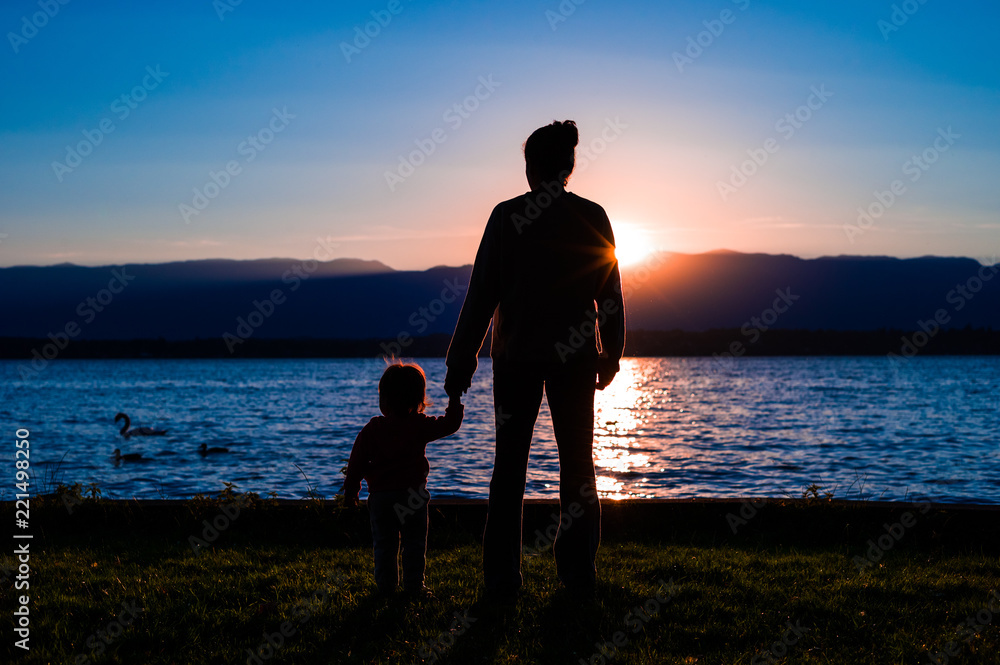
(659, 501)
(715, 522)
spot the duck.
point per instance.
(138, 431)
(205, 450)
(130, 457)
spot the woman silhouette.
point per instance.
(547, 278)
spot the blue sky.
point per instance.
(665, 174)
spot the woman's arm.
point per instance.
(477, 311)
(611, 303)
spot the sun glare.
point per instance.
(632, 243)
(617, 430)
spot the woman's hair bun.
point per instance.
(568, 134)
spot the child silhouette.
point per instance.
(389, 455)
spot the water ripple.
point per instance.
(667, 427)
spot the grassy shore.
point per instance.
(133, 582)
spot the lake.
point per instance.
(667, 427)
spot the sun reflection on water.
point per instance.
(617, 430)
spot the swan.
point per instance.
(131, 457)
(138, 431)
(205, 450)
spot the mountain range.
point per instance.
(356, 299)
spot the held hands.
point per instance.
(454, 388)
(351, 501)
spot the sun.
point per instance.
(632, 243)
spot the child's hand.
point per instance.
(351, 501)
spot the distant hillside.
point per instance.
(727, 289)
(353, 299)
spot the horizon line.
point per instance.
(983, 261)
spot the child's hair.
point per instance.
(402, 389)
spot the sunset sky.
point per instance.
(309, 117)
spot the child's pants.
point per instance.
(395, 516)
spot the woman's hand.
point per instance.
(606, 371)
(454, 389)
